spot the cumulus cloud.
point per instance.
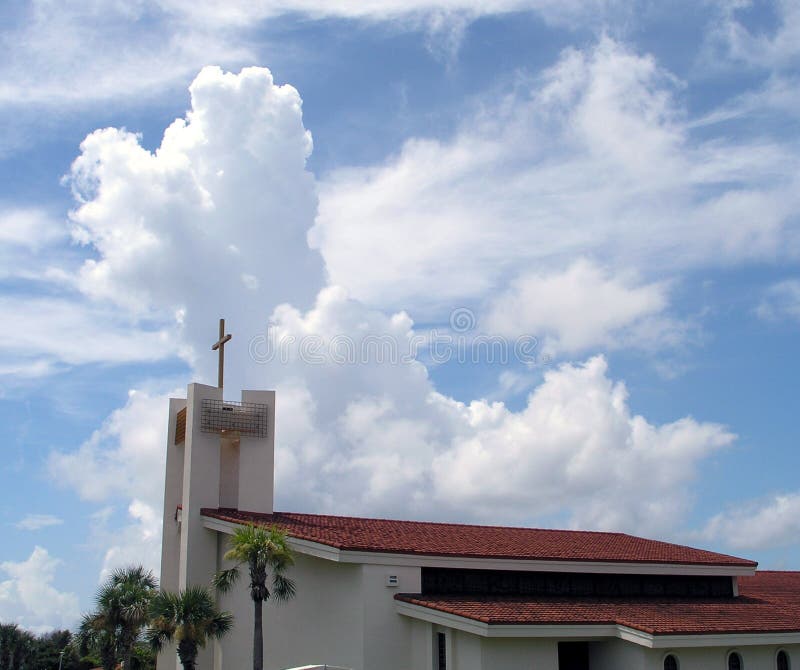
(136, 542)
(219, 210)
(781, 301)
(29, 598)
(595, 157)
(373, 436)
(38, 521)
(764, 524)
(122, 461)
(578, 308)
(378, 438)
(124, 457)
(214, 223)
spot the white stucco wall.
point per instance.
(387, 635)
(519, 654)
(617, 654)
(322, 624)
(715, 658)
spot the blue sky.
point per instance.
(614, 181)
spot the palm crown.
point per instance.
(189, 618)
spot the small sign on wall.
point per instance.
(392, 581)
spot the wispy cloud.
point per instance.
(595, 157)
(38, 521)
(781, 301)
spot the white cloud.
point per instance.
(124, 458)
(576, 309)
(770, 48)
(242, 12)
(764, 524)
(220, 209)
(49, 331)
(72, 52)
(593, 158)
(31, 240)
(781, 301)
(136, 543)
(578, 449)
(377, 438)
(38, 521)
(227, 196)
(29, 228)
(29, 598)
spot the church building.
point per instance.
(377, 594)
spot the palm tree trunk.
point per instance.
(108, 658)
(258, 636)
(187, 652)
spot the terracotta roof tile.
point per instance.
(769, 602)
(447, 539)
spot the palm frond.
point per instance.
(283, 588)
(224, 580)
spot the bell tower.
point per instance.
(220, 454)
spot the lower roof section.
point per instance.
(768, 604)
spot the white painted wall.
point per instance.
(715, 658)
(387, 635)
(343, 614)
(519, 654)
(322, 624)
(620, 655)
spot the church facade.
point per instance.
(377, 594)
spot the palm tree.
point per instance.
(97, 634)
(111, 631)
(189, 618)
(126, 598)
(263, 551)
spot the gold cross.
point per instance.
(220, 344)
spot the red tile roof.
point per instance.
(448, 539)
(768, 602)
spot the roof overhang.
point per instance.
(330, 553)
(591, 631)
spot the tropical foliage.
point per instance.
(267, 555)
(112, 631)
(188, 619)
(22, 650)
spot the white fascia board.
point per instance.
(464, 562)
(442, 618)
(724, 640)
(219, 525)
